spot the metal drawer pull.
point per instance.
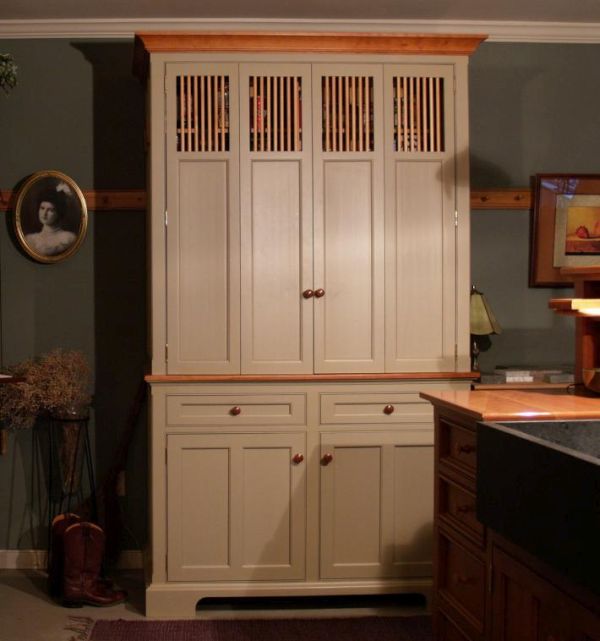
(465, 449)
(297, 458)
(327, 458)
(235, 411)
(388, 409)
(460, 579)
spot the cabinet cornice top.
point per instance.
(305, 42)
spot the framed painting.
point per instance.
(50, 217)
(565, 229)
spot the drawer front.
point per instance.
(457, 506)
(236, 409)
(462, 580)
(380, 408)
(458, 446)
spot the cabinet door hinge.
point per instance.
(166, 218)
(490, 578)
(166, 352)
(456, 218)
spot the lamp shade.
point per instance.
(483, 321)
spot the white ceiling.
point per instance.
(577, 20)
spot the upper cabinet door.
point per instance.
(348, 218)
(202, 268)
(420, 187)
(276, 218)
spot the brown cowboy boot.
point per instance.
(83, 552)
(56, 562)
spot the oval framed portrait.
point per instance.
(51, 217)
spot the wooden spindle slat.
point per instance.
(340, 105)
(346, 114)
(268, 111)
(438, 114)
(431, 110)
(368, 146)
(333, 114)
(195, 87)
(188, 94)
(327, 119)
(281, 114)
(361, 114)
(419, 90)
(202, 114)
(296, 115)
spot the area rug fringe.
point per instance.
(81, 626)
(409, 628)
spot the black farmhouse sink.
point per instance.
(538, 485)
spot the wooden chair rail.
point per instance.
(135, 200)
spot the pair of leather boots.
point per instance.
(75, 569)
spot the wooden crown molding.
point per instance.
(497, 30)
(300, 42)
(136, 200)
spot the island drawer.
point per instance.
(458, 447)
(461, 580)
(458, 508)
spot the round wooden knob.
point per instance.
(326, 459)
(298, 458)
(388, 409)
(235, 411)
(308, 293)
(319, 293)
(464, 509)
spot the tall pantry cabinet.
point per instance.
(309, 275)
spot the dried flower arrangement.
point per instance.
(57, 384)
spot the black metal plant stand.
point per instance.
(69, 454)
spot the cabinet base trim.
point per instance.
(178, 600)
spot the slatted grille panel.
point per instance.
(275, 113)
(418, 114)
(347, 107)
(203, 113)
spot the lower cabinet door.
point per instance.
(525, 607)
(376, 504)
(236, 506)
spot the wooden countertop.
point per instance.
(516, 404)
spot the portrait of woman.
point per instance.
(50, 216)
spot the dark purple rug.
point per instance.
(410, 628)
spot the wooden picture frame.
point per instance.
(563, 227)
(51, 217)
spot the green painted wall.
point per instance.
(533, 109)
(78, 109)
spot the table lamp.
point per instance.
(483, 324)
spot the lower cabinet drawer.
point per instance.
(457, 506)
(236, 409)
(380, 408)
(461, 580)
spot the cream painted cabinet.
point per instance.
(236, 506)
(309, 254)
(315, 216)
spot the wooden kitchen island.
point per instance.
(485, 586)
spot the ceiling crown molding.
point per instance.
(548, 32)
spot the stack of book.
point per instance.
(523, 374)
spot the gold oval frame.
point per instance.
(26, 214)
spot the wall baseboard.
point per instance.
(36, 560)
